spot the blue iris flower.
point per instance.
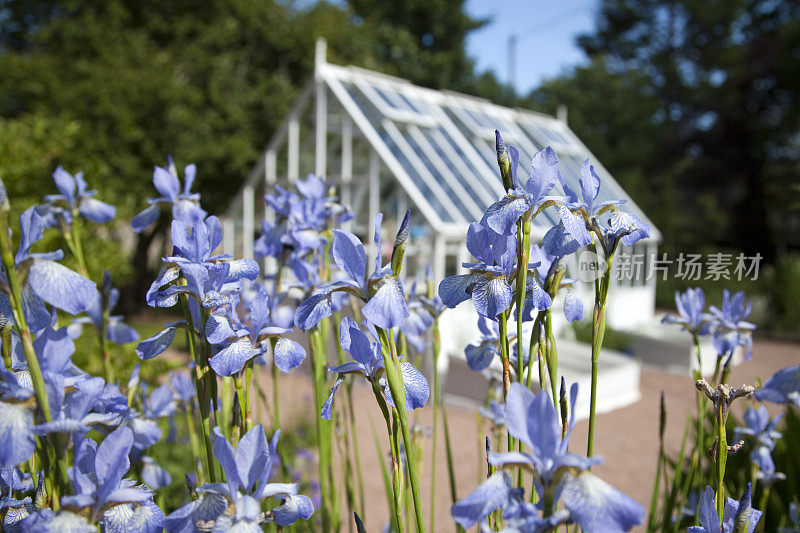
(237, 343)
(116, 330)
(212, 277)
(488, 283)
(734, 515)
(301, 219)
(236, 504)
(72, 395)
(498, 492)
(480, 356)
(153, 475)
(502, 216)
(548, 260)
(732, 329)
(47, 521)
(496, 412)
(762, 430)
(580, 215)
(196, 244)
(212, 280)
(368, 363)
(43, 279)
(592, 504)
(383, 293)
(183, 388)
(691, 306)
(314, 212)
(272, 242)
(15, 510)
(420, 319)
(101, 491)
(185, 205)
(73, 409)
(16, 420)
(76, 200)
(783, 387)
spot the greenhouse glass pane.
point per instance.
(546, 135)
(455, 196)
(412, 103)
(388, 100)
(421, 184)
(475, 179)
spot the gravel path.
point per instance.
(626, 438)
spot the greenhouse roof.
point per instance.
(440, 144)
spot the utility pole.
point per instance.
(512, 61)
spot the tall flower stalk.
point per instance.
(396, 383)
(598, 332)
(721, 398)
(434, 305)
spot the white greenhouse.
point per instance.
(390, 146)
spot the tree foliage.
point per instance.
(119, 84)
(724, 77)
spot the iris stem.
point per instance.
(397, 388)
(523, 253)
(351, 419)
(32, 360)
(449, 454)
(436, 399)
(397, 491)
(700, 437)
(504, 354)
(276, 412)
(276, 417)
(240, 396)
(532, 348)
(200, 386)
(598, 331)
(77, 246)
(324, 434)
(763, 502)
(20, 320)
(194, 444)
(721, 456)
(502, 319)
(435, 348)
(652, 522)
(225, 420)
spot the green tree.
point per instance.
(619, 118)
(112, 86)
(724, 74)
(422, 40)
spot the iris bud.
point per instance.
(400, 243)
(503, 161)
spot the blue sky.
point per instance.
(546, 32)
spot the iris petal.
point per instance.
(491, 296)
(155, 345)
(293, 509)
(387, 308)
(61, 287)
(483, 501)
(288, 355)
(233, 357)
(598, 507)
